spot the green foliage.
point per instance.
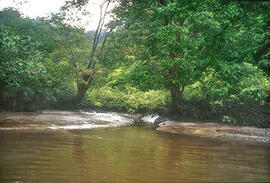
(131, 99)
(214, 87)
(38, 29)
(255, 87)
(141, 75)
(20, 61)
(184, 38)
(23, 77)
(61, 76)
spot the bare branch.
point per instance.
(98, 32)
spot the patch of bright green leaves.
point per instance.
(131, 99)
(215, 87)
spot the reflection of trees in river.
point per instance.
(128, 154)
(79, 156)
(178, 156)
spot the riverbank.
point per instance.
(67, 120)
(217, 131)
(210, 130)
(87, 120)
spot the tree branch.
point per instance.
(98, 33)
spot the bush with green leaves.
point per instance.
(131, 99)
(240, 83)
(142, 75)
(61, 77)
(256, 86)
(20, 61)
(23, 75)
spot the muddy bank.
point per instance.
(54, 120)
(61, 120)
(216, 130)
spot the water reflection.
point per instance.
(128, 154)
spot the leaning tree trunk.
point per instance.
(82, 87)
(86, 79)
(76, 99)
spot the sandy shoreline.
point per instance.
(217, 130)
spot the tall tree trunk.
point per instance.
(2, 89)
(176, 98)
(176, 94)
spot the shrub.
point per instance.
(131, 99)
(253, 85)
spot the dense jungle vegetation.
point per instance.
(205, 59)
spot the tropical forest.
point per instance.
(189, 77)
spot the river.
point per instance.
(123, 153)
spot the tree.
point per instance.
(21, 68)
(186, 37)
(86, 68)
(38, 29)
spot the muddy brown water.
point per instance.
(130, 154)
